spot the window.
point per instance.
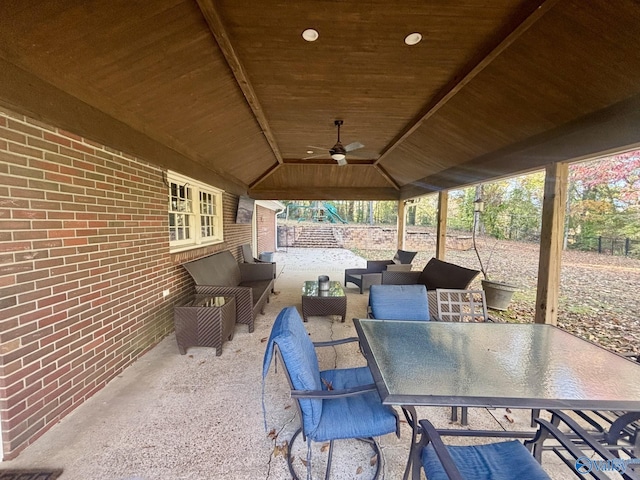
(195, 213)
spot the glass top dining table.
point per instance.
(495, 365)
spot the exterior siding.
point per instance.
(84, 261)
(266, 229)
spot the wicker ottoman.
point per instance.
(205, 321)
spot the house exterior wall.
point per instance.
(84, 261)
(266, 229)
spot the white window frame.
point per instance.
(184, 204)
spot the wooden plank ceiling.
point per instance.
(229, 92)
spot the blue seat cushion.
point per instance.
(495, 461)
(300, 359)
(357, 416)
(399, 302)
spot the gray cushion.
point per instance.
(439, 274)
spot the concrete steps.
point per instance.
(316, 237)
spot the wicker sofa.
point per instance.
(435, 274)
(249, 283)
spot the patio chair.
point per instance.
(398, 302)
(493, 461)
(435, 274)
(617, 430)
(372, 275)
(332, 404)
(461, 306)
(247, 256)
(569, 437)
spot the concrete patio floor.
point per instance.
(200, 417)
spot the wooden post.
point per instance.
(402, 223)
(551, 237)
(441, 237)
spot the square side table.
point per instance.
(205, 321)
(321, 303)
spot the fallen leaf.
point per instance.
(201, 362)
(287, 407)
(509, 419)
(508, 410)
(373, 460)
(327, 384)
(324, 447)
(264, 339)
(358, 470)
(304, 462)
(272, 434)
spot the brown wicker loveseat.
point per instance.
(435, 274)
(250, 283)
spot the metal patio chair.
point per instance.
(503, 460)
(461, 306)
(332, 404)
(569, 438)
(399, 302)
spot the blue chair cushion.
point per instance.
(494, 461)
(356, 416)
(300, 359)
(399, 302)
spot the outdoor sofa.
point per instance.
(436, 274)
(250, 283)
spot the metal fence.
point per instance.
(626, 247)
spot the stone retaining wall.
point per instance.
(375, 237)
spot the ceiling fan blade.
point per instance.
(325, 155)
(326, 149)
(353, 146)
(342, 162)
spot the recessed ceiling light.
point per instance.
(413, 38)
(309, 151)
(310, 35)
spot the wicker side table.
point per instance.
(205, 321)
(330, 302)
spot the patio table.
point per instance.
(494, 365)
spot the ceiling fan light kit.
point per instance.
(310, 35)
(413, 38)
(338, 152)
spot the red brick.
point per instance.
(21, 127)
(57, 139)
(24, 150)
(26, 193)
(19, 213)
(52, 300)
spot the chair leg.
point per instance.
(454, 414)
(330, 456)
(371, 441)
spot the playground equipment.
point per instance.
(317, 212)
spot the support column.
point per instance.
(441, 237)
(402, 223)
(551, 238)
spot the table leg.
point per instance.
(412, 419)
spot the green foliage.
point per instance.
(603, 200)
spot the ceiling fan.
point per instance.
(338, 152)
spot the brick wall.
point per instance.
(266, 229)
(84, 258)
